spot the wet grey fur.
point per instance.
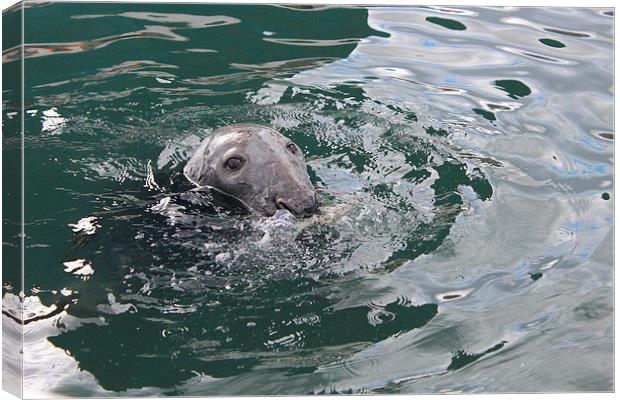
(272, 176)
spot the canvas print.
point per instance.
(207, 199)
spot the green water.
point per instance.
(465, 162)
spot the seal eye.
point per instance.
(292, 148)
(233, 163)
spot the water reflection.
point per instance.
(47, 49)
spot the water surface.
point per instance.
(465, 162)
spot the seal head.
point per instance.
(258, 166)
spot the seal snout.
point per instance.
(299, 207)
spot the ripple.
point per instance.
(552, 43)
(461, 358)
(80, 268)
(86, 225)
(454, 295)
(313, 42)
(536, 56)
(137, 67)
(50, 49)
(514, 88)
(189, 20)
(568, 33)
(447, 23)
(452, 11)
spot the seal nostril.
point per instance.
(298, 208)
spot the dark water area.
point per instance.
(464, 158)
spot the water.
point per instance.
(464, 158)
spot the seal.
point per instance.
(258, 166)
